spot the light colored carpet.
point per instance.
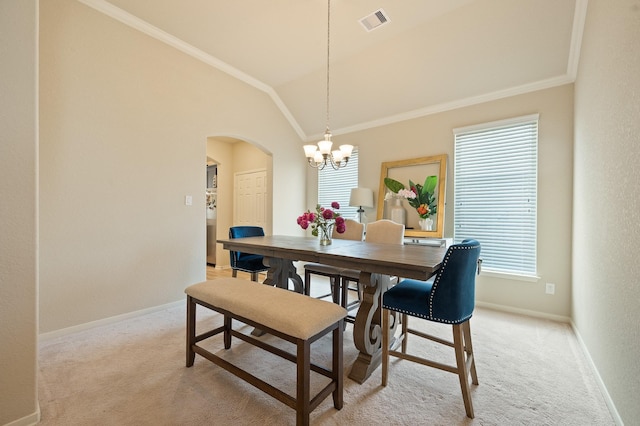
(531, 372)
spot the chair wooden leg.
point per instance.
(458, 344)
(468, 345)
(334, 284)
(385, 345)
(307, 282)
(405, 335)
(360, 291)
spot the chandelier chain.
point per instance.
(321, 155)
(328, 52)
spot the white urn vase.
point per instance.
(397, 212)
(426, 224)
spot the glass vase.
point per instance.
(324, 232)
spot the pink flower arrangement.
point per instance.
(322, 220)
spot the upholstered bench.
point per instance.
(290, 316)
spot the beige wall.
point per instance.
(124, 126)
(606, 271)
(18, 211)
(433, 135)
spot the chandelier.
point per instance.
(321, 155)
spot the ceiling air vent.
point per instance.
(375, 20)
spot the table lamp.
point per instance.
(361, 197)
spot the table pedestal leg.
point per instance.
(367, 328)
(280, 272)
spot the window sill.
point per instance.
(509, 275)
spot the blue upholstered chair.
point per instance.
(448, 298)
(246, 262)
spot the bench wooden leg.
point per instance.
(191, 330)
(303, 393)
(337, 365)
(227, 331)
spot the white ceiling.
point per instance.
(433, 55)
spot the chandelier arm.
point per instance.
(319, 165)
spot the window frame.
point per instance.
(516, 224)
(342, 181)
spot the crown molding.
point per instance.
(448, 106)
(579, 18)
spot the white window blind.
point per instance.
(495, 190)
(335, 185)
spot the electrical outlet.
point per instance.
(188, 200)
(550, 288)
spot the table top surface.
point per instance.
(408, 261)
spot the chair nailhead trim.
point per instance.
(437, 281)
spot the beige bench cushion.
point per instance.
(290, 313)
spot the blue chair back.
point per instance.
(246, 261)
(452, 297)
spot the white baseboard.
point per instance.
(30, 420)
(605, 393)
(503, 308)
(43, 337)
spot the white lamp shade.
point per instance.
(346, 150)
(361, 197)
(325, 147)
(310, 150)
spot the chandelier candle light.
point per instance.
(321, 155)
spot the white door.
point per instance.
(250, 198)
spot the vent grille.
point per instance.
(375, 20)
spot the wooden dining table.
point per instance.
(377, 263)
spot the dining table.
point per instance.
(377, 264)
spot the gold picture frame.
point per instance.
(416, 169)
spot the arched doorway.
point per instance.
(237, 162)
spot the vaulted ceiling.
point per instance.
(431, 55)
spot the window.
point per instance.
(495, 189)
(335, 185)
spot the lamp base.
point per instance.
(360, 217)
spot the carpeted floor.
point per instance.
(531, 372)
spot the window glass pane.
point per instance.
(335, 185)
(495, 190)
